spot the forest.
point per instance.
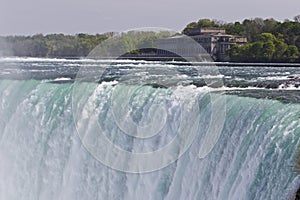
(52, 45)
(77, 46)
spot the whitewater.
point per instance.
(237, 140)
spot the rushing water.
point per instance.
(46, 116)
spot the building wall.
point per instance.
(213, 41)
(201, 31)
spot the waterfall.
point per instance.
(43, 154)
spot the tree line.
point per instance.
(268, 40)
(79, 45)
(52, 45)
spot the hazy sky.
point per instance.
(98, 16)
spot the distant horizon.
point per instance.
(118, 31)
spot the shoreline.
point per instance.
(166, 60)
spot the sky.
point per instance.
(28, 17)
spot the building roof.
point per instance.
(208, 30)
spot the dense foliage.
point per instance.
(132, 43)
(267, 48)
(80, 45)
(269, 40)
(54, 45)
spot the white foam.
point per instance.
(63, 79)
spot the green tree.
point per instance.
(268, 48)
(234, 29)
(292, 53)
(204, 23)
(190, 26)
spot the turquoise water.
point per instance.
(44, 154)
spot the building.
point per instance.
(213, 42)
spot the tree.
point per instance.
(190, 26)
(204, 23)
(269, 25)
(253, 28)
(268, 48)
(290, 31)
(268, 51)
(291, 53)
